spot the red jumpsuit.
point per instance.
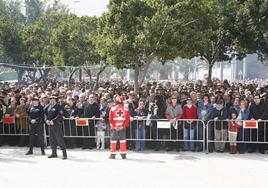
(119, 118)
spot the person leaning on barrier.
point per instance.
(21, 121)
(157, 109)
(173, 114)
(54, 120)
(189, 114)
(220, 116)
(36, 122)
(243, 134)
(139, 124)
(204, 108)
(10, 128)
(258, 112)
(92, 111)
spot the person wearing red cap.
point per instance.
(119, 118)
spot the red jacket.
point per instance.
(119, 117)
(233, 127)
(189, 113)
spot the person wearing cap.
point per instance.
(36, 120)
(173, 114)
(44, 100)
(119, 118)
(54, 120)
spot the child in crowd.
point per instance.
(101, 127)
(233, 130)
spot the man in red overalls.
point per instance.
(119, 118)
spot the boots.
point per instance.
(124, 156)
(54, 154)
(43, 151)
(234, 150)
(30, 152)
(231, 149)
(64, 153)
(112, 156)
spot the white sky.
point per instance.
(87, 7)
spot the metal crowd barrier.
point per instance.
(251, 133)
(160, 130)
(13, 126)
(206, 135)
(153, 129)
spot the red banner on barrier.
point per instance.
(250, 124)
(81, 122)
(8, 120)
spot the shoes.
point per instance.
(112, 156)
(124, 156)
(30, 152)
(43, 151)
(64, 153)
(54, 154)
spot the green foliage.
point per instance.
(11, 42)
(34, 10)
(73, 41)
(37, 38)
(252, 27)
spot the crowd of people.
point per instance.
(183, 104)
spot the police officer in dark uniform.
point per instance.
(54, 120)
(36, 122)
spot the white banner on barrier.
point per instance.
(163, 124)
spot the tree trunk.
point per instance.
(98, 77)
(136, 78)
(33, 76)
(80, 74)
(88, 71)
(71, 76)
(146, 67)
(20, 74)
(186, 76)
(44, 75)
(210, 66)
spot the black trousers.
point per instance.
(39, 130)
(89, 131)
(56, 137)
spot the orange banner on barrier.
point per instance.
(250, 124)
(81, 122)
(8, 120)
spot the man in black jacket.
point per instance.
(258, 111)
(54, 120)
(36, 120)
(219, 114)
(92, 111)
